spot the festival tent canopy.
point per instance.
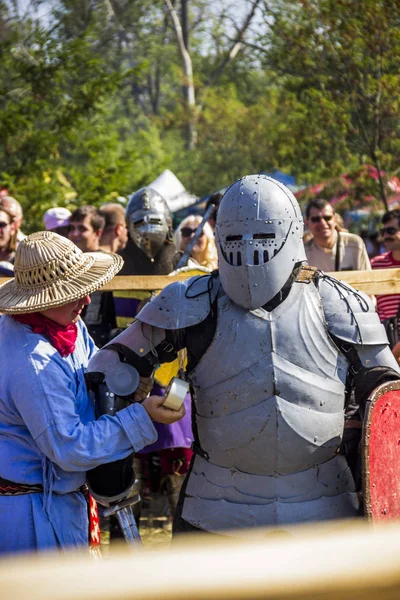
(173, 191)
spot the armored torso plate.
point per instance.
(269, 402)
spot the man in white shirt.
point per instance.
(333, 250)
(330, 249)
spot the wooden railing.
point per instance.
(379, 282)
(339, 560)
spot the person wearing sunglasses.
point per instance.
(8, 238)
(204, 251)
(330, 249)
(388, 306)
(14, 209)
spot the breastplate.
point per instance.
(269, 409)
(269, 392)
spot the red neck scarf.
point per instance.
(62, 338)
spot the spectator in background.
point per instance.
(86, 226)
(388, 306)
(204, 252)
(333, 249)
(8, 239)
(330, 249)
(13, 207)
(115, 232)
(57, 220)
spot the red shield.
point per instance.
(381, 453)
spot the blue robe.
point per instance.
(49, 436)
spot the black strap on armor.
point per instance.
(198, 450)
(337, 256)
(391, 326)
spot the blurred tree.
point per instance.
(66, 138)
(94, 95)
(342, 61)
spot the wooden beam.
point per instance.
(339, 560)
(379, 282)
(142, 282)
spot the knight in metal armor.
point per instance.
(274, 348)
(150, 249)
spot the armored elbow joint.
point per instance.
(106, 367)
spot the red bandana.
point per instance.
(62, 338)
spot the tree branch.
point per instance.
(188, 70)
(235, 47)
(187, 61)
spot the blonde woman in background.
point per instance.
(204, 251)
(8, 236)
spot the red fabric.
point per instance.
(94, 524)
(175, 461)
(384, 458)
(386, 306)
(63, 338)
(93, 516)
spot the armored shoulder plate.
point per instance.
(181, 304)
(350, 315)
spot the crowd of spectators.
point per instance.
(328, 245)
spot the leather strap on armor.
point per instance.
(306, 274)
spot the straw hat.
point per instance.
(51, 271)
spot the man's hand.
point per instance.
(161, 414)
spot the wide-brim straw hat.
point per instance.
(51, 271)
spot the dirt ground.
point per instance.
(155, 527)
(155, 524)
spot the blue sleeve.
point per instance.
(50, 399)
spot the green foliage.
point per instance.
(93, 105)
(341, 59)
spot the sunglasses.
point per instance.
(326, 218)
(3, 224)
(187, 232)
(389, 230)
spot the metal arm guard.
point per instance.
(112, 377)
(112, 482)
(351, 317)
